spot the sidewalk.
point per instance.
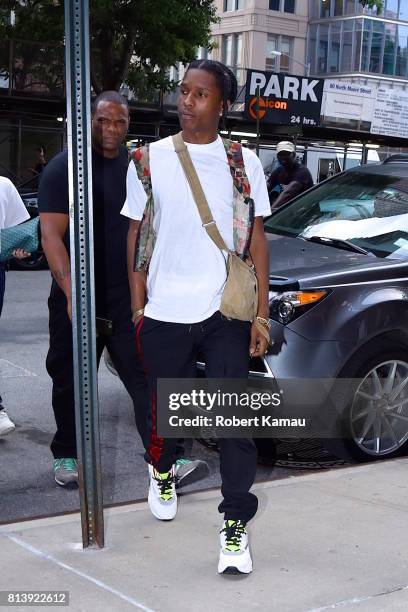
(324, 541)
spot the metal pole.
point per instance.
(11, 60)
(258, 99)
(82, 270)
(19, 134)
(345, 158)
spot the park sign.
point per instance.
(284, 99)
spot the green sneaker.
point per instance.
(66, 472)
(189, 471)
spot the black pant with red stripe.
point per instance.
(170, 350)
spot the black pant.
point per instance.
(169, 350)
(122, 349)
(2, 288)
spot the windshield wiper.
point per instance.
(337, 242)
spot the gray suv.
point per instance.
(339, 302)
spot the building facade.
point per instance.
(262, 35)
(354, 43)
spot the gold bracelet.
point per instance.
(137, 313)
(264, 322)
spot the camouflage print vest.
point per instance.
(243, 206)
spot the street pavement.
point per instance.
(325, 541)
(27, 487)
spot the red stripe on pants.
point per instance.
(155, 446)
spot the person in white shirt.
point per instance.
(12, 212)
(185, 281)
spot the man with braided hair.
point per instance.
(177, 311)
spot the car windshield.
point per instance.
(365, 209)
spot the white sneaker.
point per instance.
(6, 424)
(235, 557)
(162, 494)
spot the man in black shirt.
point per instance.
(293, 176)
(110, 121)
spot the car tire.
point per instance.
(373, 424)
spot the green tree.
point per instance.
(378, 4)
(131, 41)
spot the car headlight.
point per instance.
(288, 306)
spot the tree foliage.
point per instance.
(378, 4)
(131, 41)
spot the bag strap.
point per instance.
(199, 197)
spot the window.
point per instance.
(233, 5)
(278, 63)
(325, 9)
(311, 47)
(202, 53)
(232, 50)
(403, 12)
(285, 6)
(350, 7)
(334, 60)
(322, 49)
(391, 10)
(338, 7)
(347, 47)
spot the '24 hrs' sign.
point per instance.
(283, 98)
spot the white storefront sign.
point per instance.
(390, 115)
(349, 101)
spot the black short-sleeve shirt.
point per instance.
(112, 296)
(300, 174)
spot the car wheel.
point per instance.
(375, 421)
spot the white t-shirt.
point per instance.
(12, 209)
(187, 272)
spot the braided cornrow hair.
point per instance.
(226, 81)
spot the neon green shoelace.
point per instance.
(164, 482)
(234, 530)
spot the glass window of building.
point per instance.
(358, 45)
(233, 5)
(324, 9)
(286, 50)
(390, 49)
(278, 63)
(322, 48)
(202, 53)
(401, 68)
(232, 50)
(271, 62)
(286, 6)
(403, 12)
(311, 46)
(334, 57)
(391, 9)
(338, 8)
(350, 7)
(347, 46)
